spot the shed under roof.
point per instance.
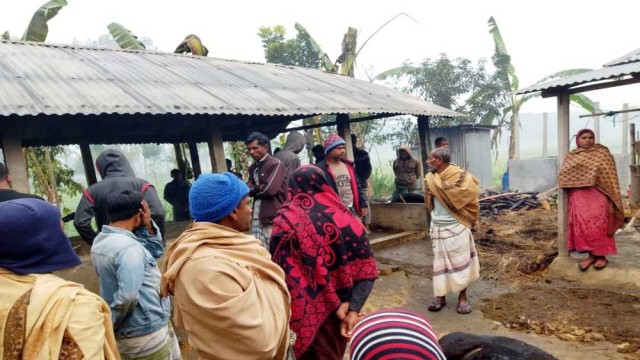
(63, 94)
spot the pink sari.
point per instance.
(589, 222)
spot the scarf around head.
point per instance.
(594, 166)
(457, 190)
(323, 249)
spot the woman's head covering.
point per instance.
(323, 249)
(394, 334)
(214, 196)
(31, 238)
(580, 132)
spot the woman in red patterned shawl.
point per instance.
(330, 269)
(595, 205)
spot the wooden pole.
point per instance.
(563, 150)
(424, 139)
(545, 135)
(344, 130)
(195, 159)
(216, 148)
(89, 167)
(15, 163)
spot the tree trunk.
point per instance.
(514, 138)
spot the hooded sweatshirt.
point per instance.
(117, 175)
(289, 155)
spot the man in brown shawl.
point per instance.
(452, 200)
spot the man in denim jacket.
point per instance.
(124, 256)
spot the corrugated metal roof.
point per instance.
(606, 73)
(61, 79)
(633, 56)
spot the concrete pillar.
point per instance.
(596, 122)
(344, 130)
(563, 150)
(89, 167)
(195, 159)
(15, 163)
(515, 122)
(216, 148)
(424, 141)
(545, 135)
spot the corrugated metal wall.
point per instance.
(470, 148)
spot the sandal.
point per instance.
(601, 263)
(437, 304)
(584, 265)
(463, 308)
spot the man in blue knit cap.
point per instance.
(228, 294)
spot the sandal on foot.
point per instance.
(584, 265)
(464, 308)
(437, 304)
(600, 264)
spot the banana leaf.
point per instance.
(347, 58)
(192, 44)
(124, 38)
(583, 101)
(327, 64)
(396, 72)
(38, 29)
(501, 59)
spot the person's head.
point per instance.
(334, 147)
(318, 152)
(403, 152)
(176, 174)
(31, 238)
(439, 159)
(394, 334)
(124, 209)
(442, 142)
(228, 161)
(257, 144)
(5, 181)
(585, 138)
(222, 199)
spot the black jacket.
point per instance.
(117, 175)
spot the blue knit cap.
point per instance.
(214, 196)
(31, 238)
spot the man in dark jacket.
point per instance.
(289, 155)
(6, 193)
(176, 193)
(267, 184)
(341, 175)
(117, 175)
(407, 171)
(362, 162)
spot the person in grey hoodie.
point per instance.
(117, 175)
(289, 154)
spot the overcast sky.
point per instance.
(542, 36)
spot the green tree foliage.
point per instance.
(50, 177)
(298, 51)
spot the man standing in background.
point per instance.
(176, 193)
(289, 154)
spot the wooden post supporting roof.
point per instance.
(195, 160)
(216, 148)
(563, 150)
(344, 130)
(89, 167)
(12, 148)
(424, 141)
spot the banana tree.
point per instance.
(507, 76)
(38, 29)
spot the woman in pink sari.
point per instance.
(595, 205)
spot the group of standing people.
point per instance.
(295, 288)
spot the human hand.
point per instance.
(145, 213)
(349, 322)
(343, 310)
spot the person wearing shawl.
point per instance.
(452, 200)
(395, 334)
(330, 269)
(42, 316)
(228, 295)
(595, 205)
